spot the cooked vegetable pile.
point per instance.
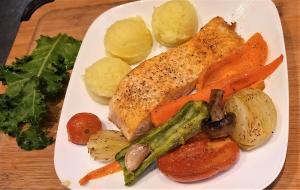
(138, 156)
(185, 124)
(32, 81)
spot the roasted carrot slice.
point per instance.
(2, 88)
(101, 172)
(237, 82)
(259, 85)
(250, 56)
(247, 79)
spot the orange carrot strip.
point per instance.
(101, 172)
(163, 113)
(247, 79)
(259, 85)
(253, 54)
(2, 88)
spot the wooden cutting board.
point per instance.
(35, 170)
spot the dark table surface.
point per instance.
(12, 13)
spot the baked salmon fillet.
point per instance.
(168, 76)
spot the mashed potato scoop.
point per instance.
(103, 77)
(174, 22)
(128, 39)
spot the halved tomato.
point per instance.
(198, 159)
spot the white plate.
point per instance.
(255, 169)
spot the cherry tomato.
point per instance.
(81, 126)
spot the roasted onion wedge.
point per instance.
(256, 117)
(105, 144)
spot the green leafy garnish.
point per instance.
(31, 81)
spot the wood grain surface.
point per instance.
(35, 170)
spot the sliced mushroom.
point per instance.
(218, 129)
(135, 155)
(219, 125)
(215, 104)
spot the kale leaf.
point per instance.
(31, 81)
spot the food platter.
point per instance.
(255, 169)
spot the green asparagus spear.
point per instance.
(185, 124)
